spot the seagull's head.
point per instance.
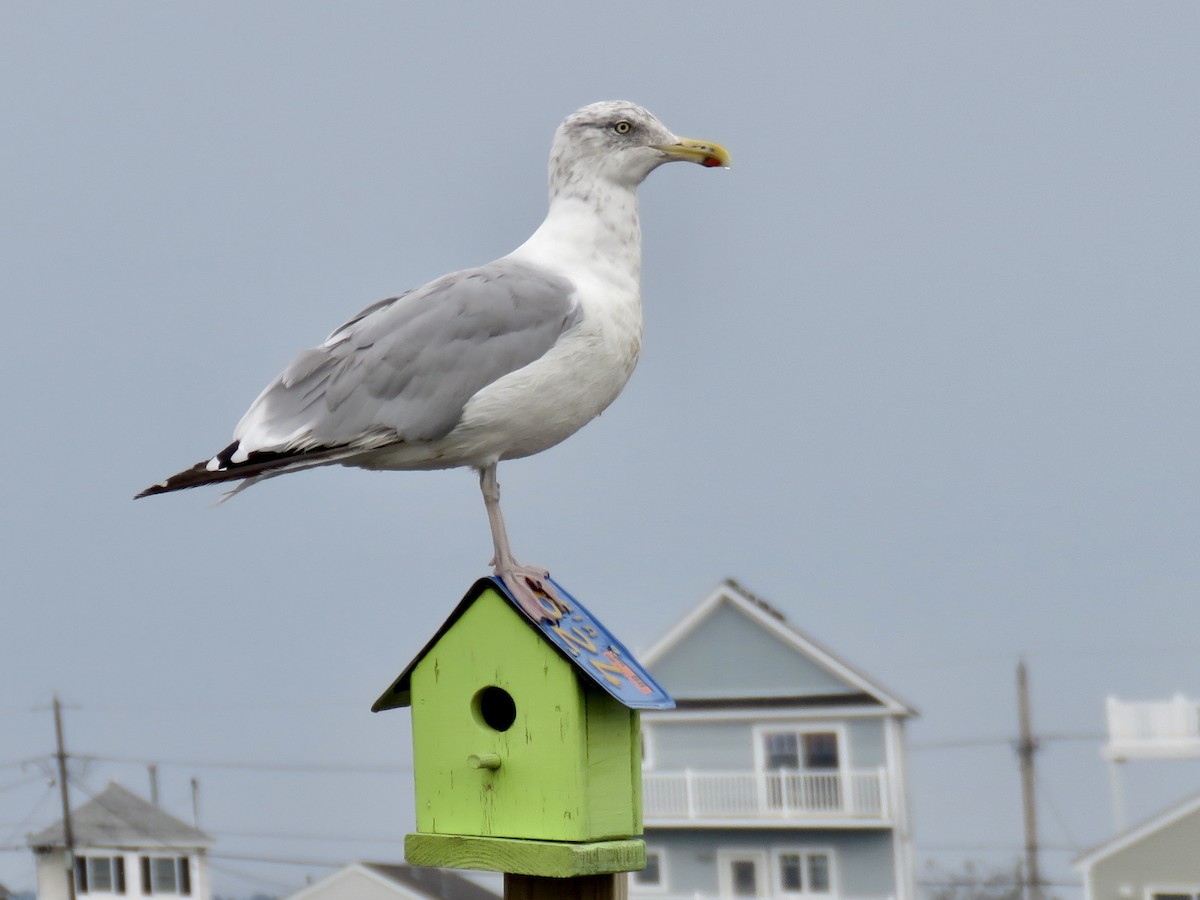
(620, 142)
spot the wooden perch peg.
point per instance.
(483, 761)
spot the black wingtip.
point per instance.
(196, 476)
(260, 462)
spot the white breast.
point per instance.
(548, 400)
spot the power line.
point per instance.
(293, 836)
(1014, 849)
(1054, 810)
(254, 879)
(248, 765)
(46, 793)
(19, 763)
(279, 860)
(957, 743)
(20, 783)
(1079, 736)
(1006, 882)
(280, 706)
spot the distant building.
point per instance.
(1156, 860)
(124, 846)
(1157, 729)
(383, 881)
(782, 772)
(1148, 730)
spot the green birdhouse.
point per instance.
(525, 730)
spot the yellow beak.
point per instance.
(706, 153)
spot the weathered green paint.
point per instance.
(552, 859)
(569, 766)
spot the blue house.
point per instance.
(781, 773)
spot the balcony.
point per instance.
(1166, 729)
(850, 797)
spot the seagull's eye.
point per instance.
(622, 127)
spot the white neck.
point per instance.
(590, 227)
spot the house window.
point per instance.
(653, 877)
(802, 769)
(743, 873)
(166, 875)
(809, 750)
(100, 875)
(647, 749)
(782, 751)
(818, 873)
(806, 873)
(791, 873)
(821, 750)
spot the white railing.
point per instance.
(783, 794)
(1162, 728)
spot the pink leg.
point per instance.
(529, 585)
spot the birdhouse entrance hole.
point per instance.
(494, 707)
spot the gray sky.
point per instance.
(921, 370)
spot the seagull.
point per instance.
(496, 362)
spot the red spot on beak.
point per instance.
(710, 162)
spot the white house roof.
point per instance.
(407, 882)
(1138, 833)
(117, 817)
(842, 679)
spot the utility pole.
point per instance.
(1026, 747)
(68, 831)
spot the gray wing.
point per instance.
(405, 367)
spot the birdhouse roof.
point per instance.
(578, 638)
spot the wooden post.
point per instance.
(1026, 747)
(584, 887)
(68, 830)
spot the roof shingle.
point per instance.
(117, 817)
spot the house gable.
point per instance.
(357, 882)
(735, 648)
(387, 881)
(117, 817)
(1155, 854)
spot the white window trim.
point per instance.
(180, 859)
(804, 852)
(89, 857)
(761, 731)
(761, 857)
(647, 747)
(664, 878)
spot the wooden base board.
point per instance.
(551, 859)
